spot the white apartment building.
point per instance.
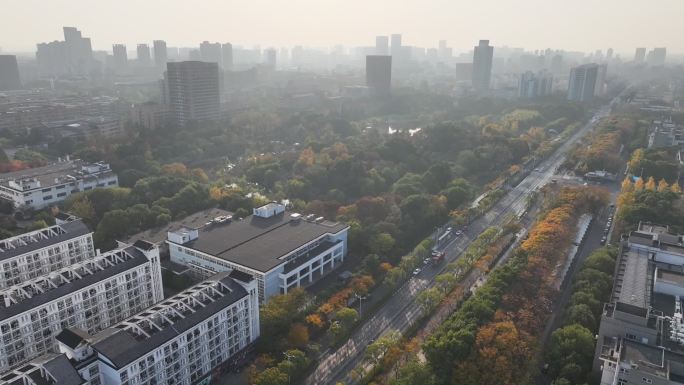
(91, 294)
(41, 187)
(182, 340)
(37, 253)
(280, 250)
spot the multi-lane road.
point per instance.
(402, 309)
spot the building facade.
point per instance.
(41, 252)
(160, 53)
(193, 89)
(280, 250)
(533, 85)
(582, 82)
(379, 74)
(9, 73)
(483, 56)
(41, 187)
(92, 294)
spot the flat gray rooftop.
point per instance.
(632, 282)
(197, 220)
(258, 243)
(65, 232)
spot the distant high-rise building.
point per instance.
(9, 73)
(160, 53)
(193, 89)
(582, 82)
(609, 54)
(52, 58)
(640, 55)
(444, 51)
(270, 58)
(533, 85)
(120, 57)
(381, 45)
(379, 74)
(482, 66)
(79, 51)
(557, 64)
(227, 56)
(210, 52)
(396, 45)
(600, 88)
(464, 72)
(657, 56)
(144, 58)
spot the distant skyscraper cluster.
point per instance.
(535, 85)
(73, 56)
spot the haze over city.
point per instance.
(387, 192)
(583, 25)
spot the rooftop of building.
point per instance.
(21, 298)
(56, 173)
(38, 239)
(194, 221)
(157, 325)
(632, 282)
(259, 243)
(48, 369)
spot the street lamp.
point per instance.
(360, 298)
(288, 357)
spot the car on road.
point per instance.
(416, 271)
(603, 240)
(459, 232)
(426, 261)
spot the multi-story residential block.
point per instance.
(92, 294)
(483, 55)
(43, 186)
(41, 252)
(280, 250)
(379, 74)
(533, 85)
(48, 369)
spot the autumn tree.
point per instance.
(650, 184)
(298, 336)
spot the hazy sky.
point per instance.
(569, 24)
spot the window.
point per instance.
(47, 197)
(61, 194)
(621, 382)
(647, 380)
(630, 336)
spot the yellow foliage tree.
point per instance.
(651, 184)
(662, 185)
(627, 185)
(639, 184)
(675, 188)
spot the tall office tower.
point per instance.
(600, 88)
(270, 58)
(144, 58)
(381, 45)
(557, 64)
(533, 85)
(657, 56)
(482, 66)
(195, 55)
(396, 45)
(640, 55)
(211, 52)
(609, 54)
(379, 74)
(444, 52)
(160, 53)
(79, 51)
(582, 82)
(193, 88)
(120, 59)
(227, 56)
(92, 294)
(52, 58)
(9, 73)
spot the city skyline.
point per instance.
(420, 23)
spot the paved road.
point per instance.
(400, 311)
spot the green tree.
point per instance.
(272, 376)
(347, 317)
(381, 243)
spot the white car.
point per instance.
(416, 272)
